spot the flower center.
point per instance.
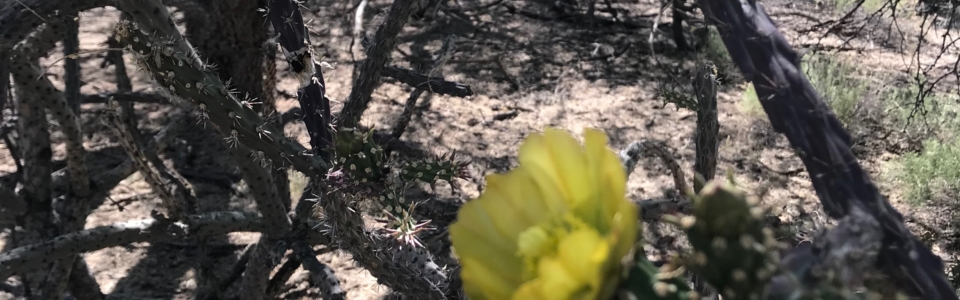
(542, 241)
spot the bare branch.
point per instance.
(384, 42)
(442, 56)
(421, 81)
(146, 230)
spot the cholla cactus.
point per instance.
(358, 160)
(558, 227)
(440, 168)
(358, 156)
(733, 249)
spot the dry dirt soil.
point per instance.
(527, 73)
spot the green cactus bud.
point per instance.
(722, 209)
(358, 155)
(441, 168)
(733, 249)
(393, 201)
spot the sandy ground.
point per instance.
(569, 76)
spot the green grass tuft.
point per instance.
(835, 80)
(931, 174)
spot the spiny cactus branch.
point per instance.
(707, 139)
(72, 210)
(435, 85)
(28, 73)
(384, 41)
(27, 257)
(37, 221)
(404, 269)
(256, 274)
(71, 216)
(321, 275)
(269, 108)
(295, 41)
(53, 99)
(71, 46)
(381, 137)
(175, 192)
(135, 97)
(263, 190)
(797, 110)
(115, 57)
(841, 257)
(22, 17)
(5, 75)
(238, 123)
(106, 181)
(303, 225)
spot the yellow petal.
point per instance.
(535, 242)
(504, 217)
(549, 189)
(625, 229)
(482, 282)
(583, 253)
(556, 281)
(474, 236)
(568, 156)
(529, 291)
(516, 189)
(536, 156)
(609, 179)
(476, 225)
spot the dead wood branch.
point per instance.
(436, 85)
(651, 210)
(632, 154)
(442, 56)
(384, 42)
(797, 110)
(146, 230)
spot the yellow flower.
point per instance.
(554, 228)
